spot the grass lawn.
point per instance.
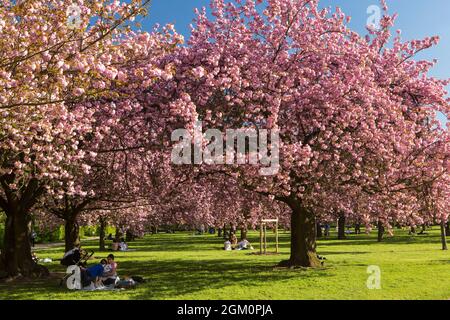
(184, 266)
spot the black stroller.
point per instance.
(75, 257)
(78, 257)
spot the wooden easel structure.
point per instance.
(263, 235)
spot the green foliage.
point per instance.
(184, 266)
(55, 235)
(110, 230)
(94, 231)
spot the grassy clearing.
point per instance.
(184, 266)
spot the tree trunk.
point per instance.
(225, 236)
(72, 233)
(102, 234)
(319, 230)
(119, 234)
(341, 228)
(380, 231)
(424, 228)
(244, 233)
(303, 237)
(129, 236)
(16, 259)
(443, 237)
(447, 229)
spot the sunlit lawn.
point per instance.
(185, 266)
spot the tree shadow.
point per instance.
(27, 289)
(331, 253)
(167, 279)
(390, 240)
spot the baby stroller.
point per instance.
(74, 259)
(77, 257)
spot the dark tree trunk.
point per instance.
(16, 259)
(219, 232)
(424, 228)
(72, 233)
(244, 233)
(303, 237)
(319, 230)
(341, 228)
(129, 236)
(380, 231)
(225, 236)
(447, 229)
(102, 234)
(443, 237)
(119, 234)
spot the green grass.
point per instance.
(183, 266)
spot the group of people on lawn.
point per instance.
(118, 246)
(233, 244)
(102, 274)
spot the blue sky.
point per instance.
(417, 19)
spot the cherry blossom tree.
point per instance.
(50, 72)
(355, 115)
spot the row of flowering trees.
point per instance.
(70, 98)
(357, 117)
(88, 111)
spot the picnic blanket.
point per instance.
(92, 287)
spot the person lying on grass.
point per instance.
(93, 274)
(244, 245)
(123, 245)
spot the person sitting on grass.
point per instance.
(109, 276)
(227, 246)
(233, 240)
(115, 246)
(122, 245)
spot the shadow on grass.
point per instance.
(170, 278)
(32, 289)
(370, 240)
(326, 253)
(190, 267)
